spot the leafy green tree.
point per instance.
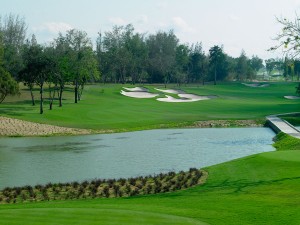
(297, 68)
(8, 86)
(82, 59)
(270, 65)
(217, 63)
(13, 29)
(162, 54)
(62, 56)
(242, 66)
(139, 56)
(198, 64)
(38, 67)
(182, 63)
(27, 74)
(256, 63)
(114, 49)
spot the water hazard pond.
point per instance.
(63, 159)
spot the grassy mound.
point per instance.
(286, 142)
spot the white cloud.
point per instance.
(53, 27)
(117, 21)
(180, 24)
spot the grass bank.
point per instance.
(259, 189)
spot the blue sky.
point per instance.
(236, 24)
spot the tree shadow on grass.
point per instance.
(15, 108)
(239, 186)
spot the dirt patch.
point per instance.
(15, 127)
(227, 123)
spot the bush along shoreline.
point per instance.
(101, 188)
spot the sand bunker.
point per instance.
(196, 97)
(136, 89)
(256, 85)
(138, 94)
(185, 98)
(15, 127)
(171, 99)
(170, 91)
(292, 97)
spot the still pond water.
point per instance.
(63, 159)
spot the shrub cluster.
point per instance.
(99, 188)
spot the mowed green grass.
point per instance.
(259, 189)
(103, 107)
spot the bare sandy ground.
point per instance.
(170, 91)
(138, 94)
(291, 97)
(256, 85)
(15, 127)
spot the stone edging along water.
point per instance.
(281, 125)
(110, 188)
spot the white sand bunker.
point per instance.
(138, 94)
(292, 97)
(196, 97)
(256, 85)
(170, 91)
(136, 89)
(185, 98)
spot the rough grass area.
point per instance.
(259, 189)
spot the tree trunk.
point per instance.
(76, 91)
(60, 95)
(215, 82)
(52, 98)
(41, 100)
(32, 96)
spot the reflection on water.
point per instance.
(64, 159)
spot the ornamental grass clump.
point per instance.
(98, 188)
